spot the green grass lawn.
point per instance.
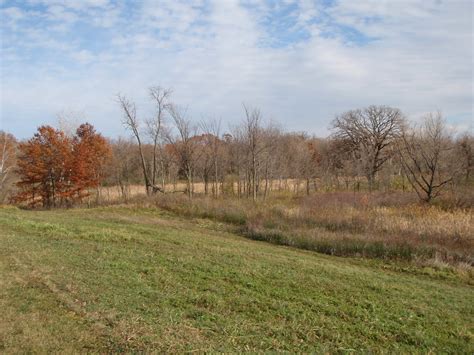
(123, 279)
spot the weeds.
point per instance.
(388, 226)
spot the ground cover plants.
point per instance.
(129, 278)
(376, 225)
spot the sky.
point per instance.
(300, 62)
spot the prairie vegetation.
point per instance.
(377, 187)
(376, 225)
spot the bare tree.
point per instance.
(236, 158)
(465, 154)
(309, 159)
(68, 120)
(211, 130)
(270, 137)
(252, 136)
(161, 97)
(7, 162)
(124, 168)
(184, 145)
(370, 132)
(131, 122)
(371, 143)
(423, 154)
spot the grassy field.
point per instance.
(133, 279)
(376, 225)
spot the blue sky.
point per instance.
(301, 62)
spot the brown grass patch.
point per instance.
(344, 224)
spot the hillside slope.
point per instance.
(114, 279)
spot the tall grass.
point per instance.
(378, 225)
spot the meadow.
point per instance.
(140, 278)
(379, 225)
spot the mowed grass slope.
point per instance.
(123, 279)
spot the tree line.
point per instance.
(368, 148)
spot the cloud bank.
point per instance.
(301, 62)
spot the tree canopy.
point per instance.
(55, 169)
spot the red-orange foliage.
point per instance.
(55, 169)
(91, 152)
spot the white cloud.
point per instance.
(211, 54)
(71, 4)
(83, 56)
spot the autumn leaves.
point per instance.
(56, 169)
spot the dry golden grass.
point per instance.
(412, 220)
(114, 193)
(342, 224)
(382, 225)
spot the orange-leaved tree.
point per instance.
(43, 168)
(91, 151)
(55, 169)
